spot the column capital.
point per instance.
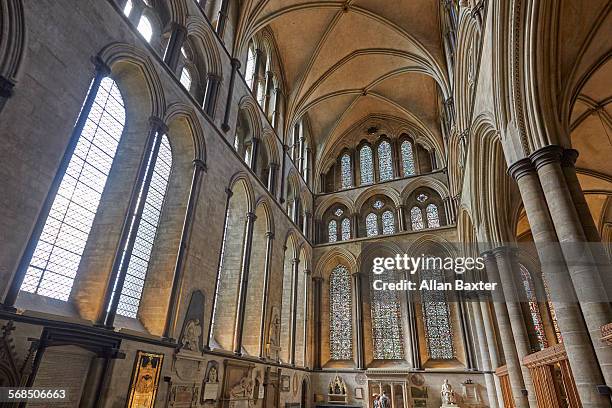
(521, 168)
(229, 192)
(504, 250)
(101, 67)
(307, 272)
(158, 124)
(269, 235)
(546, 155)
(317, 279)
(214, 77)
(251, 216)
(235, 63)
(200, 165)
(569, 157)
(273, 166)
(6, 87)
(295, 261)
(179, 28)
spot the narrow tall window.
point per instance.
(407, 158)
(385, 162)
(433, 218)
(186, 78)
(346, 229)
(145, 28)
(347, 176)
(340, 315)
(147, 230)
(385, 309)
(128, 8)
(416, 219)
(249, 73)
(388, 223)
(534, 309)
(371, 225)
(60, 247)
(436, 316)
(365, 165)
(332, 231)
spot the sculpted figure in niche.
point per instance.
(212, 375)
(191, 337)
(242, 390)
(447, 394)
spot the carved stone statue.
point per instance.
(191, 336)
(212, 375)
(448, 395)
(242, 390)
(384, 401)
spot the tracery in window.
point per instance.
(347, 176)
(421, 198)
(388, 223)
(433, 219)
(340, 315)
(185, 78)
(332, 231)
(147, 230)
(534, 309)
(145, 28)
(371, 225)
(385, 163)
(365, 165)
(436, 316)
(59, 249)
(338, 212)
(378, 204)
(416, 218)
(346, 229)
(385, 308)
(407, 158)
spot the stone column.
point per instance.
(589, 288)
(576, 338)
(101, 71)
(178, 34)
(199, 168)
(483, 347)
(295, 263)
(254, 153)
(266, 294)
(212, 92)
(228, 103)
(132, 222)
(359, 320)
(506, 335)
(272, 178)
(6, 90)
(268, 96)
(491, 338)
(317, 323)
(222, 22)
(278, 94)
(306, 224)
(244, 282)
(401, 222)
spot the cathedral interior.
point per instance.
(192, 193)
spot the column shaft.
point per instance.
(266, 294)
(294, 284)
(244, 282)
(178, 35)
(359, 320)
(228, 103)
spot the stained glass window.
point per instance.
(421, 198)
(340, 315)
(385, 163)
(378, 204)
(534, 309)
(145, 28)
(407, 158)
(416, 218)
(433, 220)
(365, 165)
(347, 174)
(346, 229)
(385, 307)
(249, 74)
(332, 231)
(60, 247)
(338, 212)
(388, 223)
(186, 78)
(371, 225)
(147, 230)
(436, 316)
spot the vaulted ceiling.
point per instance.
(344, 60)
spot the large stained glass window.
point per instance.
(385, 162)
(388, 223)
(346, 229)
(346, 171)
(371, 225)
(340, 315)
(332, 231)
(416, 218)
(365, 165)
(385, 308)
(433, 219)
(407, 158)
(534, 310)
(60, 247)
(147, 230)
(436, 316)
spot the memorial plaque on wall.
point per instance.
(145, 379)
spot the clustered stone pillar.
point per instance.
(266, 293)
(228, 103)
(513, 363)
(244, 282)
(359, 319)
(199, 168)
(576, 339)
(485, 357)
